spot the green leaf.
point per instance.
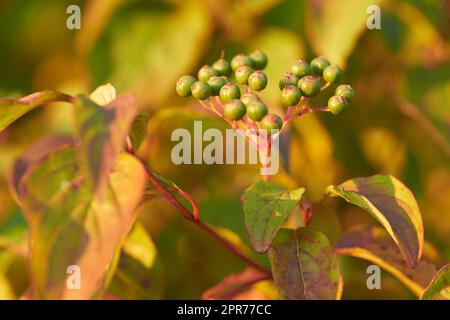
(304, 266)
(266, 206)
(102, 132)
(13, 109)
(138, 130)
(140, 246)
(234, 284)
(70, 224)
(393, 205)
(375, 245)
(439, 287)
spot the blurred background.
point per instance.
(399, 122)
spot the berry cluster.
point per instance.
(304, 80)
(221, 83)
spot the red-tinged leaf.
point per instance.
(235, 284)
(439, 287)
(304, 266)
(266, 207)
(393, 205)
(70, 224)
(375, 245)
(13, 109)
(102, 131)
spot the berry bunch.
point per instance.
(222, 82)
(304, 81)
(216, 81)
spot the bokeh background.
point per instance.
(399, 122)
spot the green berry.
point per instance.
(216, 83)
(346, 91)
(271, 122)
(290, 95)
(206, 72)
(332, 73)
(240, 60)
(200, 90)
(242, 74)
(309, 86)
(318, 65)
(257, 81)
(248, 98)
(223, 67)
(234, 109)
(184, 84)
(259, 59)
(337, 103)
(288, 79)
(229, 92)
(256, 110)
(301, 68)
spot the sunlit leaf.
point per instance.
(375, 245)
(140, 246)
(70, 225)
(304, 266)
(103, 94)
(266, 207)
(392, 204)
(333, 27)
(439, 287)
(12, 109)
(235, 284)
(102, 131)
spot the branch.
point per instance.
(192, 218)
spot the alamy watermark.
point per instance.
(73, 281)
(258, 145)
(74, 20)
(374, 280)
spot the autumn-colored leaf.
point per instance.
(266, 207)
(393, 205)
(304, 266)
(102, 131)
(439, 287)
(375, 245)
(139, 129)
(70, 224)
(235, 284)
(12, 109)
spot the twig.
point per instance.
(191, 217)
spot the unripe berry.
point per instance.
(301, 68)
(216, 83)
(309, 86)
(257, 81)
(256, 110)
(200, 90)
(242, 74)
(206, 72)
(184, 84)
(259, 59)
(346, 91)
(332, 73)
(271, 122)
(222, 67)
(337, 103)
(290, 96)
(234, 109)
(288, 79)
(229, 92)
(240, 60)
(248, 98)
(318, 65)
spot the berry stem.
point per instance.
(325, 86)
(188, 215)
